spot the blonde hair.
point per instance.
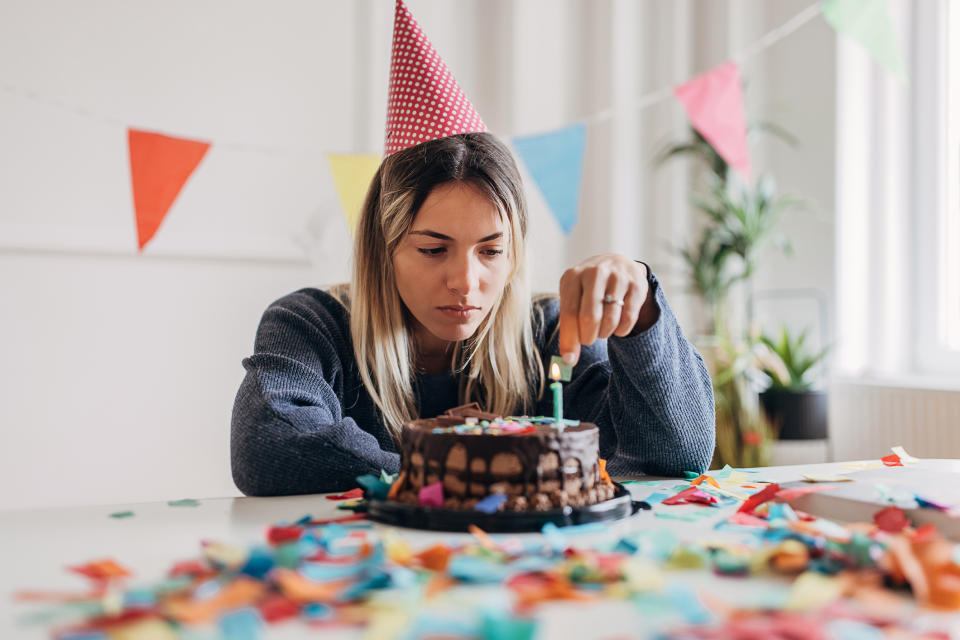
(500, 366)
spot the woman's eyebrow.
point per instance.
(440, 236)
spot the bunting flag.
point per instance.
(868, 22)
(159, 167)
(555, 161)
(714, 104)
(352, 174)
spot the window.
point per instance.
(938, 246)
(898, 206)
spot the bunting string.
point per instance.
(639, 103)
(766, 41)
(713, 100)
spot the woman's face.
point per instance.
(452, 264)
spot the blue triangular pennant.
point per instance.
(555, 160)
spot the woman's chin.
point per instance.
(455, 333)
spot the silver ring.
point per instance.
(609, 299)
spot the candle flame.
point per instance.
(555, 371)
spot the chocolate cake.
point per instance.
(473, 455)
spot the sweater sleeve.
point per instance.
(650, 395)
(288, 432)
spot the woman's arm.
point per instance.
(288, 434)
(649, 393)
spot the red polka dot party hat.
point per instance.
(425, 102)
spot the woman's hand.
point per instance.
(602, 296)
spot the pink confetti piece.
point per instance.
(431, 495)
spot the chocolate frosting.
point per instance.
(579, 443)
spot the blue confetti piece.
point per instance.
(491, 503)
(853, 630)
(241, 624)
(528, 564)
(476, 569)
(557, 540)
(330, 572)
(259, 563)
(501, 627)
(374, 486)
(434, 625)
(317, 611)
(379, 579)
(582, 529)
(206, 590)
(654, 498)
(139, 598)
(688, 604)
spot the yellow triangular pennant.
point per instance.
(352, 174)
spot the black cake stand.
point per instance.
(620, 506)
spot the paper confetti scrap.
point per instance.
(824, 477)
(185, 502)
(905, 457)
(342, 573)
(431, 495)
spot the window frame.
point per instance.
(936, 121)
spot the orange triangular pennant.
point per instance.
(159, 167)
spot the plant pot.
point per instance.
(797, 415)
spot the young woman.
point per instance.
(439, 314)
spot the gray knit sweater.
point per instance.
(304, 423)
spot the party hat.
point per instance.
(425, 102)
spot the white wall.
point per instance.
(120, 369)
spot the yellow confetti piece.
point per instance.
(824, 477)
(146, 629)
(812, 590)
(387, 623)
(397, 549)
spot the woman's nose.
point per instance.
(462, 276)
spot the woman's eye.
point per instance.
(435, 251)
(492, 252)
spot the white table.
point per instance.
(37, 545)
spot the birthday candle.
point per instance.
(557, 389)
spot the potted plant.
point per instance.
(740, 219)
(794, 407)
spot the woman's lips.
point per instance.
(462, 314)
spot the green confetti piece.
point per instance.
(685, 558)
(122, 514)
(185, 502)
(691, 475)
(387, 478)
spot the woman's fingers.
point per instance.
(617, 288)
(569, 340)
(584, 316)
(632, 302)
(594, 283)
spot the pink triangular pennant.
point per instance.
(159, 167)
(714, 104)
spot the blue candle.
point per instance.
(557, 389)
